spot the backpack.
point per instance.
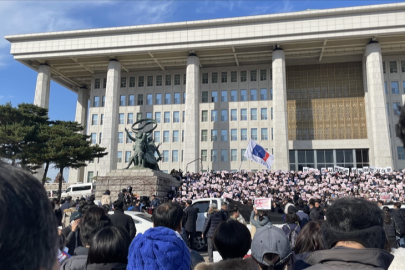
(292, 235)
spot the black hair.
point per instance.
(68, 198)
(233, 210)
(292, 218)
(118, 205)
(167, 215)
(272, 259)
(124, 190)
(107, 192)
(93, 221)
(232, 239)
(386, 209)
(189, 202)
(83, 207)
(310, 238)
(109, 245)
(25, 229)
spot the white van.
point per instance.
(78, 190)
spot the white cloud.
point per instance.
(274, 7)
(210, 6)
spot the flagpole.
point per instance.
(240, 164)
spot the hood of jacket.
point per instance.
(70, 210)
(349, 258)
(230, 264)
(210, 211)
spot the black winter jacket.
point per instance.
(390, 234)
(399, 218)
(211, 222)
(119, 219)
(106, 266)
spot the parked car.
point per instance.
(78, 190)
(143, 221)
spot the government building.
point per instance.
(316, 88)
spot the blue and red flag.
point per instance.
(258, 154)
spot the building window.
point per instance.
(214, 116)
(148, 116)
(402, 66)
(141, 81)
(94, 119)
(213, 155)
(264, 134)
(204, 116)
(184, 79)
(159, 80)
(184, 116)
(224, 96)
(140, 99)
(149, 99)
(182, 135)
(205, 78)
(204, 155)
(120, 137)
(243, 76)
(234, 95)
(263, 75)
(214, 96)
(214, 77)
(224, 135)
(167, 117)
(393, 67)
(95, 101)
(271, 94)
(158, 99)
(165, 156)
(388, 109)
(168, 79)
(234, 134)
(123, 82)
(214, 135)
(263, 113)
(131, 100)
(157, 136)
(242, 155)
(166, 136)
(234, 116)
(271, 133)
(127, 156)
(205, 97)
(234, 155)
(119, 156)
(101, 119)
(93, 138)
(224, 115)
(130, 119)
(177, 79)
(395, 87)
(102, 101)
(384, 70)
(177, 98)
(184, 97)
(176, 136)
(253, 114)
(386, 89)
(168, 98)
(253, 134)
(253, 75)
(131, 81)
(175, 155)
(253, 94)
(234, 76)
(158, 117)
(396, 107)
(204, 135)
(401, 153)
(224, 155)
(99, 137)
(121, 118)
(176, 117)
(243, 114)
(243, 95)
(149, 81)
(263, 94)
(128, 138)
(97, 84)
(104, 83)
(243, 134)
(122, 100)
(138, 116)
(224, 77)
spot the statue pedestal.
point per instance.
(144, 182)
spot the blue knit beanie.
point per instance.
(158, 249)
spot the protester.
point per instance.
(28, 227)
(224, 211)
(213, 219)
(354, 237)
(390, 230)
(292, 228)
(304, 218)
(399, 219)
(122, 220)
(66, 204)
(154, 202)
(262, 218)
(72, 232)
(106, 198)
(67, 213)
(235, 215)
(109, 249)
(190, 222)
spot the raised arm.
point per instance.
(129, 135)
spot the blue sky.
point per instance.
(21, 17)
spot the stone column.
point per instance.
(377, 110)
(191, 133)
(43, 86)
(77, 175)
(280, 125)
(110, 124)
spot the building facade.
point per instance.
(315, 88)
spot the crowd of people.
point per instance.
(351, 232)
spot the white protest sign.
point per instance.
(263, 203)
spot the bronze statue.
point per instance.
(144, 146)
